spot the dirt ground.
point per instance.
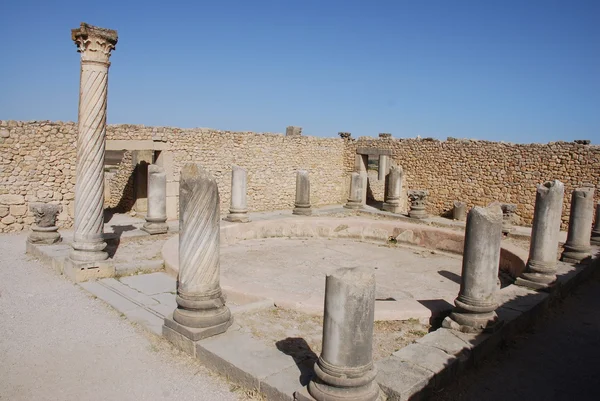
(299, 334)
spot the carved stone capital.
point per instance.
(94, 43)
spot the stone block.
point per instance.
(128, 292)
(173, 188)
(84, 271)
(9, 199)
(151, 284)
(3, 211)
(403, 381)
(18, 210)
(443, 365)
(109, 296)
(444, 340)
(150, 320)
(180, 341)
(8, 219)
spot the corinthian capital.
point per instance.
(94, 43)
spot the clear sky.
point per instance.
(512, 70)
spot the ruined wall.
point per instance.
(37, 163)
(479, 172)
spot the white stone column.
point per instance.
(578, 247)
(156, 216)
(476, 303)
(201, 310)
(595, 238)
(345, 369)
(356, 192)
(238, 209)
(383, 167)
(360, 166)
(540, 271)
(394, 190)
(302, 203)
(95, 45)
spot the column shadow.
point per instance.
(303, 356)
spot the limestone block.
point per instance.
(10, 199)
(18, 210)
(8, 219)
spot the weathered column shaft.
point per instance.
(578, 248)
(95, 45)
(238, 209)
(394, 190)
(302, 203)
(356, 191)
(360, 166)
(156, 216)
(345, 368)
(460, 211)
(201, 310)
(595, 238)
(541, 265)
(383, 168)
(476, 304)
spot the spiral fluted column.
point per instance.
(95, 45)
(201, 310)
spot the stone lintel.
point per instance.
(374, 151)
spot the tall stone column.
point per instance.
(578, 248)
(95, 45)
(418, 200)
(595, 238)
(383, 167)
(360, 166)
(302, 203)
(356, 191)
(201, 310)
(156, 217)
(394, 189)
(238, 209)
(476, 304)
(345, 369)
(540, 271)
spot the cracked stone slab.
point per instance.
(151, 284)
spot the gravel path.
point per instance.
(59, 343)
(556, 360)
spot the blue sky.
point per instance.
(513, 70)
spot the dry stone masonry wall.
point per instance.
(479, 172)
(37, 164)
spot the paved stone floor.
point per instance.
(292, 272)
(59, 343)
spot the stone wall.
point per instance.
(479, 172)
(37, 163)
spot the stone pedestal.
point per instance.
(95, 45)
(460, 211)
(476, 303)
(508, 214)
(156, 217)
(302, 203)
(577, 248)
(383, 168)
(394, 189)
(345, 369)
(201, 310)
(595, 238)
(356, 191)
(418, 200)
(44, 231)
(238, 209)
(540, 271)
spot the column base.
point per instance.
(302, 211)
(353, 205)
(238, 217)
(417, 214)
(473, 322)
(191, 334)
(595, 239)
(575, 255)
(533, 283)
(154, 228)
(507, 229)
(326, 386)
(44, 237)
(79, 271)
(391, 207)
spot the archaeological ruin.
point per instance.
(303, 267)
